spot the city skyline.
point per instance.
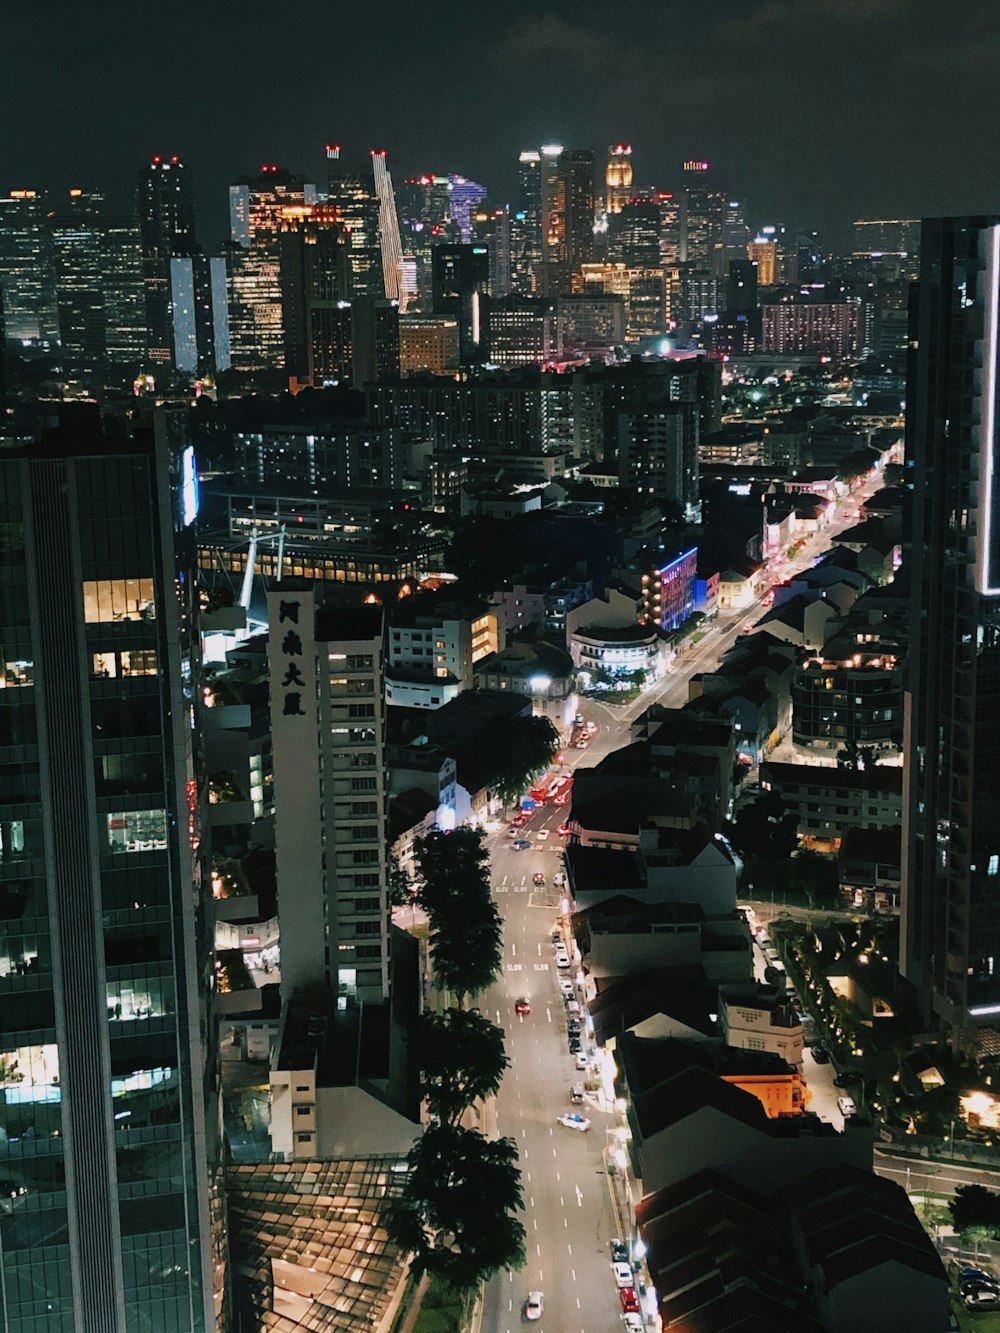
(852, 145)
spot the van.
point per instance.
(572, 1009)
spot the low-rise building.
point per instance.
(757, 1017)
(869, 863)
(857, 701)
(828, 801)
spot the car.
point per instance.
(846, 1107)
(520, 820)
(556, 936)
(629, 1298)
(575, 1045)
(538, 879)
(633, 1323)
(983, 1300)
(845, 1080)
(566, 986)
(624, 1277)
(522, 845)
(573, 1037)
(592, 728)
(573, 1120)
(821, 1055)
(576, 1094)
(968, 1286)
(582, 1060)
(533, 1306)
(559, 880)
(562, 960)
(542, 835)
(522, 1005)
(582, 743)
(619, 1251)
(965, 1271)
(563, 830)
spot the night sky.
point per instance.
(814, 111)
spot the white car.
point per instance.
(534, 1305)
(633, 1323)
(562, 960)
(542, 835)
(559, 880)
(624, 1277)
(846, 1107)
(566, 986)
(582, 1061)
(574, 1121)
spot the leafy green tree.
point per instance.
(855, 466)
(450, 868)
(893, 474)
(401, 886)
(457, 1211)
(523, 749)
(815, 877)
(461, 1054)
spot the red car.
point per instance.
(519, 821)
(522, 1006)
(630, 1300)
(563, 830)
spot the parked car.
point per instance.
(582, 1060)
(633, 1323)
(562, 961)
(845, 1080)
(533, 1306)
(566, 986)
(983, 1300)
(559, 880)
(846, 1107)
(572, 1120)
(629, 1298)
(563, 830)
(821, 1055)
(522, 1005)
(624, 1276)
(575, 1045)
(619, 1251)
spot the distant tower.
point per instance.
(392, 249)
(618, 176)
(166, 227)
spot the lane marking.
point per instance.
(579, 1196)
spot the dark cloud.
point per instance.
(813, 110)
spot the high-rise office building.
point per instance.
(327, 727)
(199, 312)
(124, 293)
(166, 227)
(634, 235)
(702, 212)
(618, 177)
(492, 228)
(108, 1105)
(256, 208)
(763, 251)
(315, 279)
(27, 267)
(465, 197)
(351, 190)
(77, 227)
(951, 799)
(526, 224)
(461, 275)
(390, 245)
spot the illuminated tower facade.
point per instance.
(951, 798)
(166, 228)
(618, 177)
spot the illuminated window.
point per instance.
(136, 662)
(137, 830)
(11, 840)
(15, 674)
(106, 600)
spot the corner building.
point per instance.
(951, 799)
(104, 967)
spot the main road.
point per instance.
(570, 1214)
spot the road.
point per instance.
(569, 1216)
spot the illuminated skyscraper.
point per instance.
(257, 205)
(526, 224)
(465, 196)
(951, 796)
(618, 177)
(388, 226)
(351, 191)
(27, 267)
(76, 239)
(166, 228)
(109, 1107)
(315, 278)
(461, 287)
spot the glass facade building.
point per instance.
(104, 962)
(951, 802)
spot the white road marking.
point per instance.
(579, 1196)
(562, 1201)
(558, 1177)
(570, 1248)
(548, 1014)
(531, 1202)
(553, 1152)
(565, 1223)
(538, 1251)
(534, 1223)
(499, 1024)
(573, 1273)
(513, 950)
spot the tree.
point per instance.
(893, 474)
(975, 1208)
(461, 1054)
(765, 829)
(401, 887)
(457, 1211)
(855, 756)
(467, 947)
(466, 933)
(523, 749)
(856, 465)
(815, 877)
